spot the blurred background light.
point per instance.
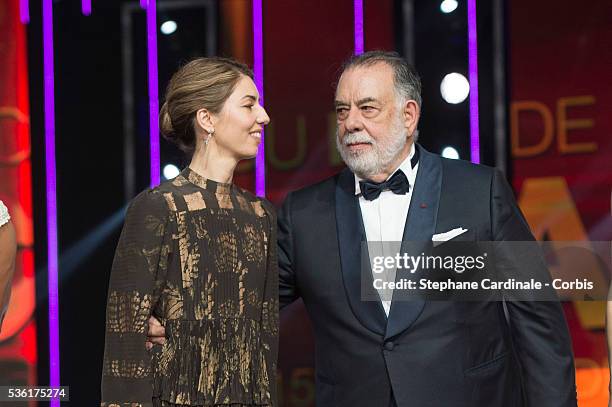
(168, 27)
(455, 88)
(448, 6)
(450, 152)
(170, 171)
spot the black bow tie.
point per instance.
(398, 184)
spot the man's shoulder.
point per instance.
(319, 189)
(465, 172)
(464, 167)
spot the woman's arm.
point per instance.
(8, 250)
(137, 278)
(270, 311)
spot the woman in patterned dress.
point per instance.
(198, 253)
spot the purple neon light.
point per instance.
(358, 26)
(86, 7)
(473, 73)
(24, 11)
(143, 4)
(153, 91)
(52, 267)
(260, 159)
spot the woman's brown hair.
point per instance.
(203, 83)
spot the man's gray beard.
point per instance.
(367, 164)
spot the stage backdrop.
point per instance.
(18, 336)
(561, 128)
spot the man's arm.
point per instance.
(539, 331)
(288, 291)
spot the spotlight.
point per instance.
(168, 27)
(450, 152)
(448, 6)
(455, 88)
(170, 171)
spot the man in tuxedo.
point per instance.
(413, 353)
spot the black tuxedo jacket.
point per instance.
(427, 353)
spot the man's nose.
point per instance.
(353, 122)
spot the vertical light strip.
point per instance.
(473, 73)
(52, 261)
(24, 11)
(358, 26)
(86, 7)
(499, 84)
(153, 91)
(258, 68)
(143, 4)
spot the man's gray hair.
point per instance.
(406, 78)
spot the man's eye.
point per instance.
(367, 108)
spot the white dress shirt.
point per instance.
(385, 217)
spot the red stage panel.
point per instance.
(18, 336)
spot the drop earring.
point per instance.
(210, 133)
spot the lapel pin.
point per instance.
(423, 205)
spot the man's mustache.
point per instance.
(357, 138)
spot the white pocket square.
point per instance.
(440, 238)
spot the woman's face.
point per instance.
(239, 125)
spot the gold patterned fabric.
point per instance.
(201, 257)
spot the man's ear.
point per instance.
(205, 121)
(411, 113)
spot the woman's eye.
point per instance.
(249, 106)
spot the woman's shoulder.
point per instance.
(150, 201)
(165, 194)
(257, 201)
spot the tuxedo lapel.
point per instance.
(420, 226)
(351, 234)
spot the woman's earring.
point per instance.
(210, 133)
